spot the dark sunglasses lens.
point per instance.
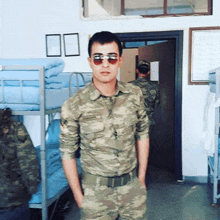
(97, 61)
(112, 61)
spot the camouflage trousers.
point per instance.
(107, 203)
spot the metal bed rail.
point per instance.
(43, 131)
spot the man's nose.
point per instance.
(105, 62)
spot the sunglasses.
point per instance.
(98, 59)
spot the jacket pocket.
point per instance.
(128, 128)
(92, 130)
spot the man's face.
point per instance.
(105, 70)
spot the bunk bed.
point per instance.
(39, 87)
(213, 141)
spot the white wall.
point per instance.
(25, 23)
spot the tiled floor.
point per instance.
(168, 200)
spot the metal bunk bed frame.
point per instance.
(42, 113)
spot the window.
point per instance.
(147, 8)
(188, 7)
(136, 44)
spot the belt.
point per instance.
(114, 181)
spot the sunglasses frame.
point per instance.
(98, 59)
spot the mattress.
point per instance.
(56, 180)
(55, 183)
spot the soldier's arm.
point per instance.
(71, 172)
(28, 162)
(142, 154)
(69, 143)
(143, 142)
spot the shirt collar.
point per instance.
(94, 93)
(142, 78)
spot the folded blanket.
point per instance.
(35, 83)
(52, 66)
(62, 80)
(212, 77)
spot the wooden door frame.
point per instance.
(177, 36)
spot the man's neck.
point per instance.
(142, 75)
(106, 89)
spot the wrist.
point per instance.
(78, 198)
(141, 178)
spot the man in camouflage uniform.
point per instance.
(149, 89)
(106, 120)
(19, 168)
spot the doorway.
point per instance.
(177, 38)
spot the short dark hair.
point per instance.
(104, 37)
(143, 67)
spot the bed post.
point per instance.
(43, 147)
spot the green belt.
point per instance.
(114, 181)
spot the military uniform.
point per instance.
(151, 95)
(19, 170)
(106, 129)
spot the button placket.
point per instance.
(110, 102)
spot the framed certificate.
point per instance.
(204, 53)
(53, 45)
(71, 44)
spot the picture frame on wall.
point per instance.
(53, 45)
(204, 53)
(71, 44)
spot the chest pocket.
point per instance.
(127, 128)
(91, 128)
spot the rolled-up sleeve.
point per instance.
(142, 130)
(69, 126)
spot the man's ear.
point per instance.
(90, 61)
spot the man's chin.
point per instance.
(105, 78)
(106, 81)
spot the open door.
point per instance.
(162, 143)
(128, 69)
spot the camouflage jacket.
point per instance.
(105, 128)
(19, 166)
(151, 95)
